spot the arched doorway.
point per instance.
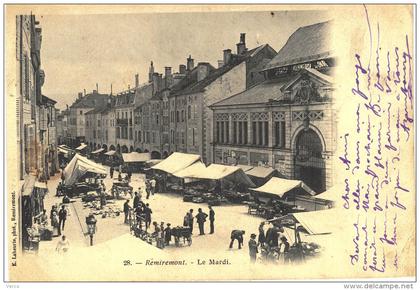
(146, 151)
(155, 155)
(138, 150)
(99, 146)
(309, 164)
(131, 148)
(105, 147)
(112, 147)
(124, 149)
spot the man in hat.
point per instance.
(211, 218)
(201, 219)
(148, 215)
(237, 235)
(253, 248)
(126, 211)
(191, 220)
(167, 234)
(136, 200)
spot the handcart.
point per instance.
(183, 233)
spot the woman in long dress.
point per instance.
(63, 245)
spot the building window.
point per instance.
(81, 112)
(193, 136)
(131, 134)
(177, 116)
(189, 112)
(182, 115)
(182, 138)
(265, 134)
(235, 132)
(280, 134)
(227, 132)
(254, 133)
(157, 119)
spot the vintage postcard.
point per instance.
(209, 142)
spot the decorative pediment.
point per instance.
(309, 86)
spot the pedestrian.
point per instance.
(237, 235)
(261, 235)
(162, 233)
(136, 200)
(52, 211)
(284, 249)
(111, 172)
(148, 215)
(126, 211)
(63, 245)
(201, 219)
(191, 220)
(139, 213)
(147, 184)
(42, 218)
(269, 235)
(62, 216)
(211, 218)
(186, 221)
(168, 234)
(253, 248)
(152, 186)
(62, 176)
(55, 224)
(119, 176)
(129, 174)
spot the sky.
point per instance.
(79, 51)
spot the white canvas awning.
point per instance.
(110, 153)
(98, 151)
(81, 147)
(191, 170)
(260, 172)
(332, 194)
(176, 161)
(78, 167)
(62, 150)
(314, 222)
(136, 157)
(245, 168)
(279, 187)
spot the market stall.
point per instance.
(82, 148)
(222, 181)
(260, 175)
(111, 158)
(78, 175)
(305, 224)
(171, 165)
(98, 155)
(134, 161)
(324, 200)
(65, 154)
(278, 197)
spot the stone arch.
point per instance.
(131, 148)
(112, 147)
(105, 147)
(124, 149)
(311, 127)
(138, 150)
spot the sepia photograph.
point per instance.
(209, 142)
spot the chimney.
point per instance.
(97, 90)
(202, 70)
(151, 71)
(157, 82)
(241, 46)
(168, 76)
(182, 69)
(190, 63)
(137, 80)
(220, 63)
(111, 90)
(227, 55)
(80, 95)
(84, 92)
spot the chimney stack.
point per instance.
(84, 92)
(241, 46)
(157, 82)
(190, 63)
(97, 90)
(168, 76)
(151, 71)
(227, 55)
(111, 90)
(137, 80)
(220, 63)
(202, 70)
(80, 95)
(182, 69)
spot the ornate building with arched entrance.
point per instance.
(287, 122)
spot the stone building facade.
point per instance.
(286, 122)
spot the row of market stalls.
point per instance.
(185, 173)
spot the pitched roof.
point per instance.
(98, 110)
(90, 101)
(45, 99)
(306, 44)
(215, 74)
(258, 94)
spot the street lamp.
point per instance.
(91, 225)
